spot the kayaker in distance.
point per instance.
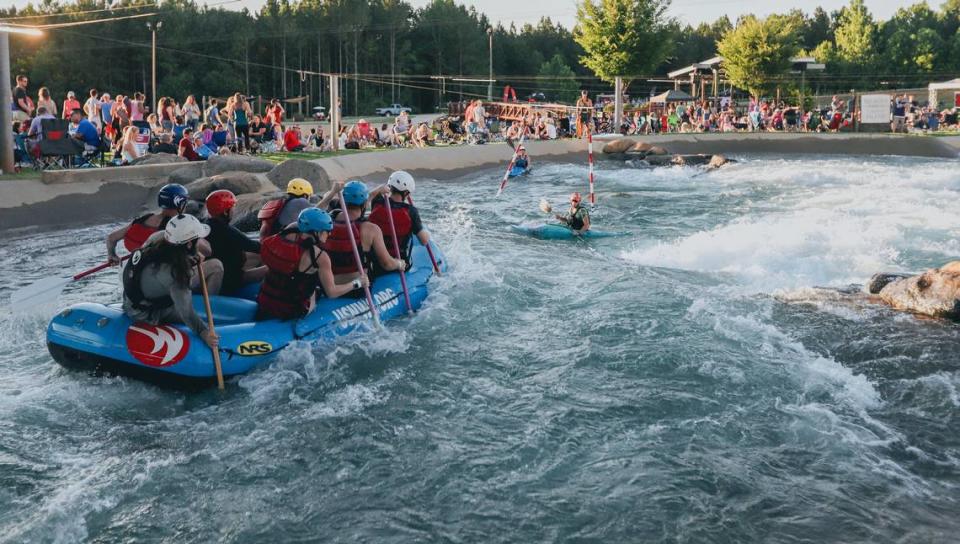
(157, 279)
(368, 237)
(406, 218)
(170, 200)
(577, 217)
(297, 264)
(523, 160)
(276, 214)
(239, 254)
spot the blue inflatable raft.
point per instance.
(561, 232)
(102, 339)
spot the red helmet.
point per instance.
(220, 202)
(575, 197)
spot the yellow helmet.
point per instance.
(299, 187)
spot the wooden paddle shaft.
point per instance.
(206, 302)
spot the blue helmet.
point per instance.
(355, 193)
(314, 220)
(172, 196)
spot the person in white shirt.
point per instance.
(92, 108)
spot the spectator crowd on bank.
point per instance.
(120, 129)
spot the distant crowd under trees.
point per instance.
(392, 52)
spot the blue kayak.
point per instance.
(561, 232)
(102, 339)
(519, 171)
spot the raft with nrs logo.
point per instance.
(98, 338)
(254, 347)
(385, 300)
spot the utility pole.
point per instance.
(334, 112)
(6, 115)
(490, 82)
(154, 27)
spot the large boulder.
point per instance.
(240, 183)
(247, 208)
(934, 293)
(282, 173)
(157, 158)
(640, 147)
(616, 147)
(218, 164)
(186, 173)
(657, 150)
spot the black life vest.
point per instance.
(286, 292)
(133, 272)
(138, 232)
(401, 221)
(574, 221)
(340, 250)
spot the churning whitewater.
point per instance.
(717, 376)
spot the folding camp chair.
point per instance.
(56, 148)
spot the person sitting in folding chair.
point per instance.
(87, 137)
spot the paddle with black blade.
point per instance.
(47, 290)
(433, 260)
(359, 262)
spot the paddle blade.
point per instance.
(545, 206)
(39, 293)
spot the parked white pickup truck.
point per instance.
(392, 109)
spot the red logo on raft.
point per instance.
(157, 346)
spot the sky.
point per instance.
(688, 11)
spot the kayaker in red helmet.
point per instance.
(577, 217)
(239, 254)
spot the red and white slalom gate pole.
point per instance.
(516, 152)
(593, 199)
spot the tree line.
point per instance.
(390, 51)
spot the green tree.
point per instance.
(758, 51)
(911, 42)
(856, 35)
(560, 78)
(623, 37)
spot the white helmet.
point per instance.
(184, 229)
(401, 181)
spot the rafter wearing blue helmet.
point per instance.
(297, 264)
(367, 236)
(171, 200)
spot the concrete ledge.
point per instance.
(114, 174)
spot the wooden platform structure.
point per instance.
(514, 111)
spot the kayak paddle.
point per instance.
(42, 292)
(433, 259)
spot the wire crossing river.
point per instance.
(701, 380)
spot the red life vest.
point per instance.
(270, 212)
(138, 232)
(340, 250)
(286, 292)
(401, 221)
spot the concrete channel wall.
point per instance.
(111, 194)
